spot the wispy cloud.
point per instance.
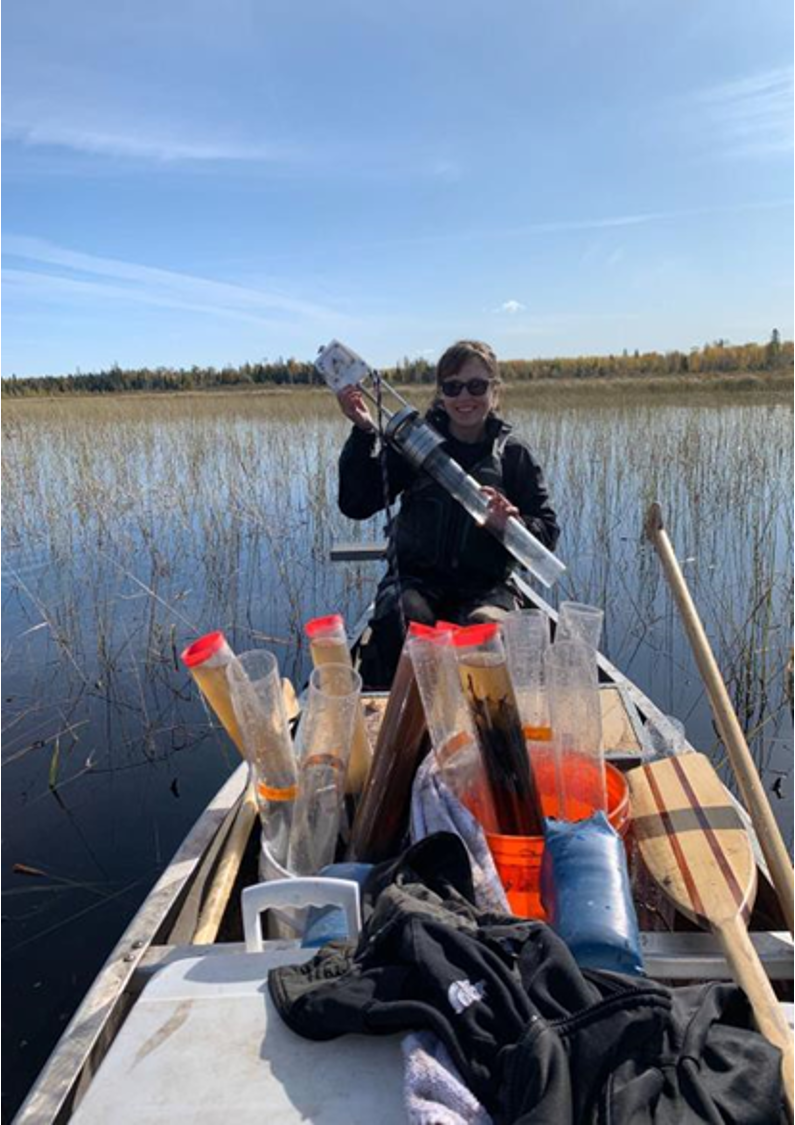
(751, 116)
(511, 307)
(562, 226)
(82, 275)
(163, 143)
(51, 288)
(641, 218)
(138, 144)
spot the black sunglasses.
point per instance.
(452, 388)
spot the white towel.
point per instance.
(434, 1090)
(435, 809)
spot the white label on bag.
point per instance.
(463, 993)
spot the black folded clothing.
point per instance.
(536, 1039)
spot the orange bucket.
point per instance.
(518, 858)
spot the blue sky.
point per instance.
(204, 183)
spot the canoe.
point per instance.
(187, 937)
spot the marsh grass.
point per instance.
(133, 524)
(154, 517)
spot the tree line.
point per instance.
(719, 357)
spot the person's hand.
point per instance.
(500, 509)
(354, 407)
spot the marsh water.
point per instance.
(132, 525)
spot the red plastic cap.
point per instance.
(318, 626)
(203, 649)
(424, 632)
(475, 634)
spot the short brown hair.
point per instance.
(457, 355)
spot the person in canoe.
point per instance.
(442, 566)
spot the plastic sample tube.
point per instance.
(328, 644)
(420, 444)
(453, 739)
(208, 659)
(324, 740)
(579, 622)
(256, 690)
(575, 710)
(525, 633)
(484, 675)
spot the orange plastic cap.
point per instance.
(475, 634)
(321, 626)
(424, 632)
(203, 649)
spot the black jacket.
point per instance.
(536, 1039)
(432, 537)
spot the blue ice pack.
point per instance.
(586, 893)
(327, 923)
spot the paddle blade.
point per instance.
(692, 839)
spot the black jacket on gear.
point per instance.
(537, 1040)
(432, 538)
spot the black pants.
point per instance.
(398, 603)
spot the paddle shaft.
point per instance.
(731, 732)
(747, 970)
(218, 898)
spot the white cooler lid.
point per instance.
(205, 1044)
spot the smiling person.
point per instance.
(442, 566)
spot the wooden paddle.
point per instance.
(695, 845)
(726, 720)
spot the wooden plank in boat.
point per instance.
(620, 723)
